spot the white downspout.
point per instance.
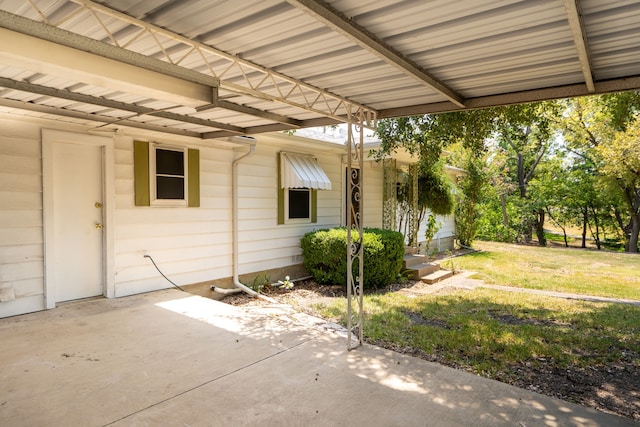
(234, 186)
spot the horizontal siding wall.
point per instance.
(373, 194)
(189, 245)
(263, 244)
(443, 239)
(192, 245)
(21, 236)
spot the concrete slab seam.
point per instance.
(208, 382)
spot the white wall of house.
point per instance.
(263, 244)
(21, 230)
(444, 238)
(373, 194)
(190, 245)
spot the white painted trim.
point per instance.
(49, 138)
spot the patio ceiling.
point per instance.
(212, 69)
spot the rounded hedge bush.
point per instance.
(325, 256)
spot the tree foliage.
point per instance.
(573, 162)
(602, 133)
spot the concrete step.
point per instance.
(436, 276)
(423, 269)
(410, 260)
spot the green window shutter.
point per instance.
(141, 173)
(314, 205)
(193, 177)
(280, 196)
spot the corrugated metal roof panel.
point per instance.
(476, 48)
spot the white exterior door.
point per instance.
(77, 219)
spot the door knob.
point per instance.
(99, 226)
(98, 205)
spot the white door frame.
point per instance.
(49, 138)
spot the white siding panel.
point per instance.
(20, 236)
(263, 243)
(446, 231)
(13, 272)
(21, 240)
(20, 182)
(153, 244)
(21, 253)
(20, 200)
(25, 288)
(372, 194)
(20, 218)
(189, 245)
(21, 305)
(14, 164)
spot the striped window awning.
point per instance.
(302, 171)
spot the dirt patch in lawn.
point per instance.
(614, 388)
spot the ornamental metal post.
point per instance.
(413, 212)
(355, 155)
(390, 196)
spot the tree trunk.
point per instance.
(633, 236)
(522, 184)
(539, 224)
(585, 221)
(596, 235)
(632, 197)
(557, 223)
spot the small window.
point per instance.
(299, 204)
(168, 180)
(166, 176)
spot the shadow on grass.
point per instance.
(582, 352)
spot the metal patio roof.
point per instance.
(219, 68)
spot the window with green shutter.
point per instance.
(165, 175)
(296, 205)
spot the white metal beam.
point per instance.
(337, 21)
(534, 95)
(245, 109)
(116, 105)
(576, 24)
(271, 85)
(45, 109)
(51, 58)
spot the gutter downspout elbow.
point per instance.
(235, 231)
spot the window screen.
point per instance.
(299, 203)
(170, 176)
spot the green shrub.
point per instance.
(325, 256)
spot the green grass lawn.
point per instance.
(520, 338)
(489, 332)
(590, 272)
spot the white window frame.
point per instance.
(152, 178)
(288, 220)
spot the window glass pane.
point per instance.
(298, 203)
(169, 187)
(169, 162)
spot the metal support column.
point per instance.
(413, 212)
(390, 196)
(355, 258)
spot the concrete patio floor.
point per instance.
(170, 358)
